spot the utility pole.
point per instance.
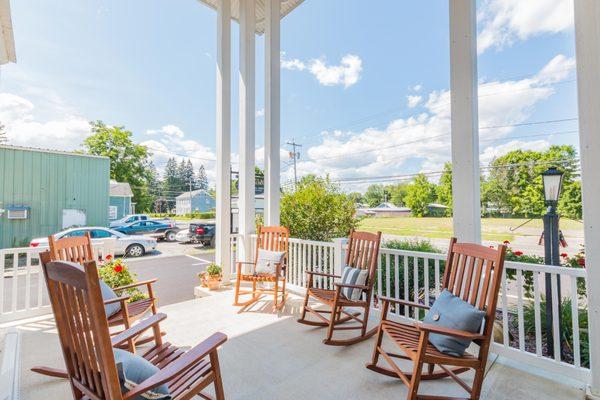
(295, 155)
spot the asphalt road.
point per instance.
(177, 275)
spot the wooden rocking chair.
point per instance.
(363, 251)
(271, 238)
(87, 346)
(473, 273)
(79, 250)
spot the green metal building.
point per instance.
(44, 191)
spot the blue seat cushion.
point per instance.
(353, 276)
(109, 294)
(133, 370)
(452, 312)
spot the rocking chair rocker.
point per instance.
(363, 251)
(473, 273)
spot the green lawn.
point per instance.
(496, 229)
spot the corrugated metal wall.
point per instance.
(49, 182)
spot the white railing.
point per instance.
(22, 287)
(519, 327)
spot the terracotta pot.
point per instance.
(213, 282)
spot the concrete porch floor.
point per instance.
(270, 356)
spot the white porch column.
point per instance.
(247, 121)
(272, 111)
(464, 125)
(587, 39)
(223, 203)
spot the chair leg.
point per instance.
(218, 383)
(363, 331)
(477, 383)
(304, 307)
(415, 380)
(375, 358)
(237, 291)
(332, 321)
(275, 292)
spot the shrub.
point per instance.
(214, 270)
(116, 274)
(317, 210)
(410, 245)
(566, 326)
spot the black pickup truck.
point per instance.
(202, 232)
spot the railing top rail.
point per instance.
(410, 253)
(312, 242)
(553, 269)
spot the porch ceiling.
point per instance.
(287, 6)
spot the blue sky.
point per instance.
(348, 71)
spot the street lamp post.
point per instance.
(552, 180)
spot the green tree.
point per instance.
(569, 204)
(420, 194)
(317, 210)
(444, 188)
(356, 197)
(171, 183)
(514, 182)
(128, 161)
(398, 193)
(202, 179)
(375, 195)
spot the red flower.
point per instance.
(518, 253)
(118, 268)
(108, 257)
(564, 255)
(506, 242)
(581, 262)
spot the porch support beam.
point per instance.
(272, 111)
(246, 128)
(223, 128)
(464, 124)
(587, 37)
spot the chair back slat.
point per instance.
(82, 326)
(273, 238)
(473, 273)
(362, 252)
(77, 249)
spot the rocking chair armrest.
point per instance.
(136, 284)
(347, 285)
(138, 329)
(447, 331)
(180, 365)
(402, 302)
(121, 299)
(322, 274)
(245, 262)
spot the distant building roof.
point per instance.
(120, 189)
(185, 195)
(40, 150)
(436, 205)
(386, 207)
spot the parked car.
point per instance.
(202, 232)
(157, 229)
(128, 219)
(127, 245)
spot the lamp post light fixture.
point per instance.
(552, 180)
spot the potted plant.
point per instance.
(212, 277)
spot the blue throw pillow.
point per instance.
(109, 294)
(353, 276)
(133, 370)
(450, 311)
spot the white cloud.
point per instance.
(506, 21)
(417, 88)
(347, 73)
(413, 101)
(260, 112)
(489, 153)
(24, 128)
(424, 138)
(170, 141)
